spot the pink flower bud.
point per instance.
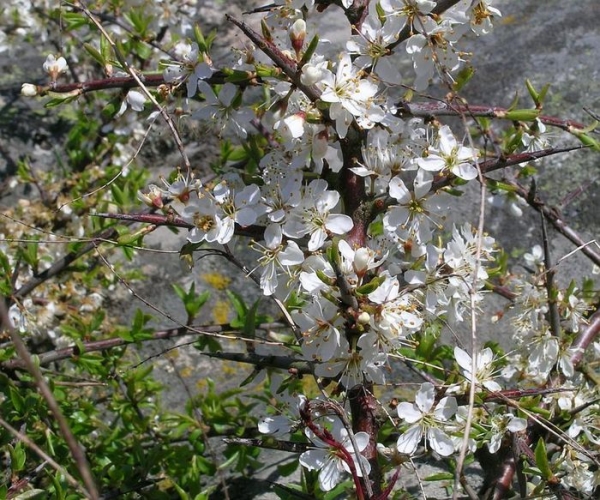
(297, 35)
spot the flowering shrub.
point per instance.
(338, 173)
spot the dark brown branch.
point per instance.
(106, 344)
(553, 314)
(270, 444)
(552, 215)
(282, 61)
(280, 362)
(151, 80)
(363, 408)
(438, 108)
(255, 232)
(500, 163)
(585, 338)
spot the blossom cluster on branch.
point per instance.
(345, 191)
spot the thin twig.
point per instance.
(147, 93)
(553, 314)
(473, 290)
(76, 450)
(42, 454)
(556, 220)
(225, 332)
(585, 338)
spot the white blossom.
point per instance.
(428, 420)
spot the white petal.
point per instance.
(399, 190)
(292, 255)
(329, 476)
(409, 412)
(465, 171)
(517, 424)
(446, 408)
(433, 163)
(362, 441)
(409, 441)
(313, 459)
(425, 397)
(275, 425)
(440, 442)
(339, 223)
(272, 236)
(463, 359)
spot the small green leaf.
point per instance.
(95, 53)
(531, 89)
(586, 140)
(521, 115)
(57, 101)
(240, 308)
(289, 468)
(250, 324)
(371, 286)
(463, 78)
(541, 458)
(310, 50)
(442, 476)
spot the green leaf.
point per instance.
(240, 308)
(310, 50)
(192, 302)
(57, 101)
(18, 457)
(588, 141)
(16, 399)
(538, 97)
(95, 53)
(250, 377)
(289, 468)
(522, 115)
(463, 77)
(541, 459)
(250, 323)
(371, 286)
(442, 476)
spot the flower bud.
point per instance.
(29, 90)
(297, 35)
(362, 259)
(291, 127)
(55, 67)
(153, 198)
(363, 318)
(310, 74)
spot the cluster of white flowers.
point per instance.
(363, 297)
(359, 235)
(367, 284)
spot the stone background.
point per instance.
(550, 41)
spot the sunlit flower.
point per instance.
(350, 95)
(190, 67)
(428, 420)
(223, 109)
(449, 155)
(484, 368)
(313, 216)
(329, 461)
